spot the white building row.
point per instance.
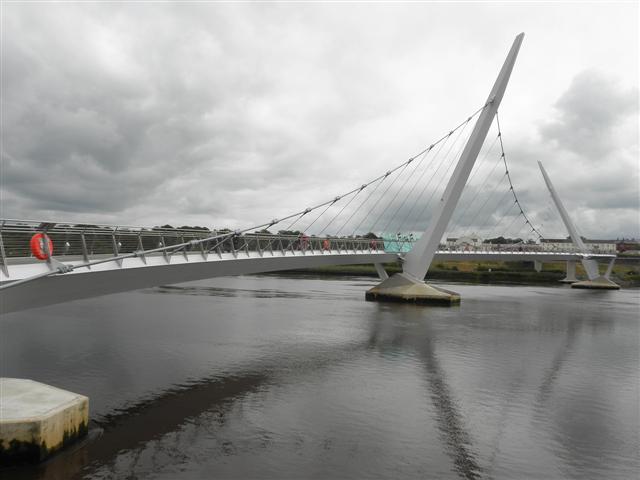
(474, 242)
(596, 246)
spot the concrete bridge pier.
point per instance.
(38, 420)
(401, 287)
(570, 277)
(600, 283)
(597, 282)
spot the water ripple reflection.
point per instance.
(276, 377)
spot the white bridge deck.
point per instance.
(158, 269)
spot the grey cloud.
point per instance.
(588, 112)
(229, 115)
(135, 109)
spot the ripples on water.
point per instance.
(299, 377)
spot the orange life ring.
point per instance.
(37, 246)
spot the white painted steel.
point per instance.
(571, 272)
(110, 278)
(590, 266)
(134, 273)
(417, 261)
(382, 273)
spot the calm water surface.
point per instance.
(299, 377)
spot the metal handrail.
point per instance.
(233, 242)
(124, 242)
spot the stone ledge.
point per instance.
(37, 420)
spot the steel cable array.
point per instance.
(473, 214)
(221, 237)
(440, 155)
(408, 194)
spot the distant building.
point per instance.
(595, 246)
(627, 245)
(467, 242)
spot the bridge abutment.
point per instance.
(403, 288)
(38, 420)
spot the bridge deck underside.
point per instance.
(154, 270)
(134, 274)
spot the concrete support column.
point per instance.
(382, 273)
(571, 272)
(610, 268)
(601, 282)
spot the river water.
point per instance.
(299, 377)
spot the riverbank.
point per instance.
(521, 273)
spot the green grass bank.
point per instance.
(522, 273)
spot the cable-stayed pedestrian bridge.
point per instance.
(101, 259)
(440, 189)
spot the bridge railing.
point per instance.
(79, 239)
(515, 248)
(403, 244)
(262, 243)
(88, 241)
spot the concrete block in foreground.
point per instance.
(37, 420)
(401, 288)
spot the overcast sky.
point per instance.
(230, 115)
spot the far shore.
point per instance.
(519, 273)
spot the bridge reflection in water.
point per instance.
(440, 391)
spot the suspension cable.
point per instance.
(412, 188)
(406, 196)
(495, 189)
(515, 197)
(444, 176)
(497, 206)
(343, 208)
(301, 213)
(468, 204)
(415, 202)
(376, 204)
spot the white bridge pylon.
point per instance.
(589, 264)
(418, 260)
(409, 285)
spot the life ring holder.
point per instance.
(38, 247)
